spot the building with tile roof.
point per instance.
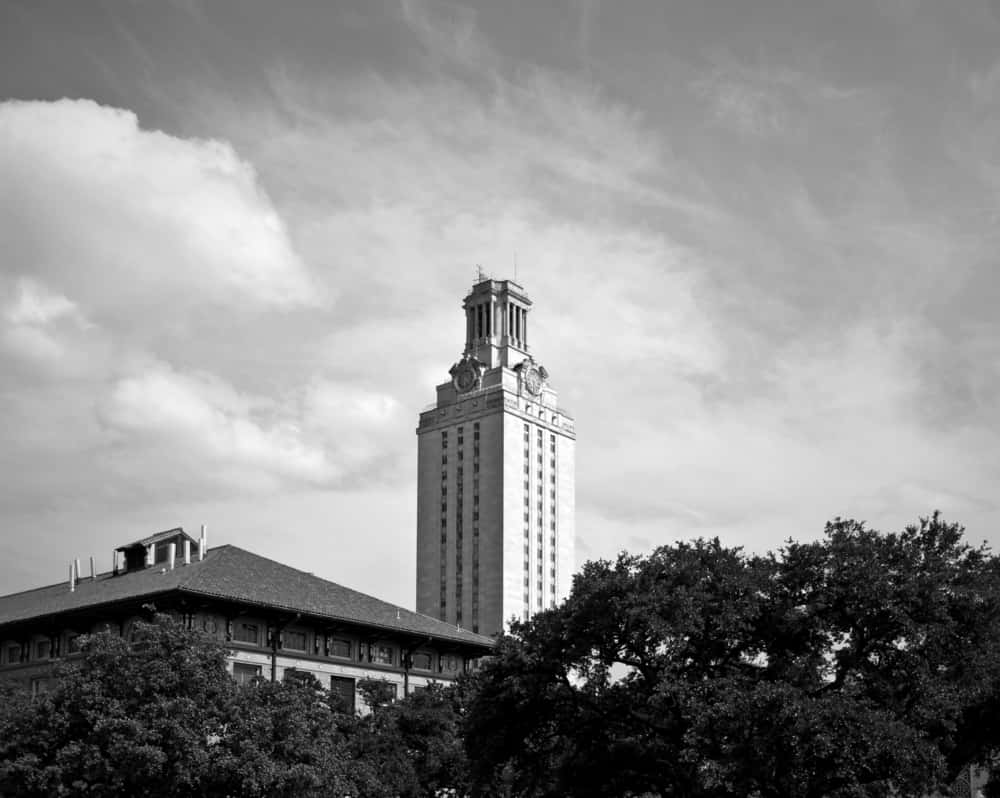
(274, 618)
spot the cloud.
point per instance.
(211, 426)
(35, 304)
(41, 329)
(316, 436)
(448, 32)
(763, 100)
(92, 203)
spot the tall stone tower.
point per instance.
(495, 479)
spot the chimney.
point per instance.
(172, 555)
(72, 578)
(203, 543)
(114, 562)
(150, 555)
(187, 551)
(76, 565)
(93, 568)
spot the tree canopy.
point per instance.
(160, 716)
(858, 665)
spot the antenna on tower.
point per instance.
(480, 275)
(515, 265)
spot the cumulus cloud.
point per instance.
(122, 219)
(211, 426)
(319, 435)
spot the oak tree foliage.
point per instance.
(861, 664)
(159, 715)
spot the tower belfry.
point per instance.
(496, 468)
(496, 323)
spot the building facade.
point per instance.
(496, 476)
(273, 619)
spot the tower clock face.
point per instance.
(465, 379)
(533, 380)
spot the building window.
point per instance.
(245, 673)
(340, 648)
(383, 692)
(247, 633)
(296, 641)
(13, 654)
(383, 655)
(39, 685)
(420, 661)
(342, 688)
(450, 663)
(73, 644)
(42, 648)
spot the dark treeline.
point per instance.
(861, 664)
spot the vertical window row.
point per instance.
(459, 528)
(444, 522)
(527, 520)
(552, 520)
(540, 559)
(475, 531)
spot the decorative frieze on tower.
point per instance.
(495, 484)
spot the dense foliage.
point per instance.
(859, 665)
(160, 716)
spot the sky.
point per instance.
(761, 239)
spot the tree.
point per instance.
(414, 744)
(132, 718)
(159, 715)
(859, 665)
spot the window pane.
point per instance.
(245, 673)
(422, 661)
(247, 633)
(295, 640)
(342, 688)
(340, 648)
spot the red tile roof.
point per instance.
(234, 574)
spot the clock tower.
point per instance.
(495, 476)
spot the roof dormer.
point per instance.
(156, 549)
